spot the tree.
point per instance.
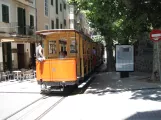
(102, 14)
(122, 20)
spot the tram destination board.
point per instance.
(124, 58)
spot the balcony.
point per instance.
(8, 27)
(26, 30)
(30, 30)
(13, 29)
(26, 2)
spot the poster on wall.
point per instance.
(124, 58)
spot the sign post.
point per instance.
(155, 36)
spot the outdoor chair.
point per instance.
(10, 75)
(4, 76)
(28, 74)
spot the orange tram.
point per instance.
(83, 56)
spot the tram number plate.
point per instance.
(53, 69)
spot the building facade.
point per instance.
(78, 21)
(19, 19)
(52, 14)
(17, 28)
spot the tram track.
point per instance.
(50, 108)
(11, 115)
(33, 107)
(42, 106)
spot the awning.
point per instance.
(11, 39)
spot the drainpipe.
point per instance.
(36, 14)
(36, 18)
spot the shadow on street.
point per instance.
(147, 115)
(110, 82)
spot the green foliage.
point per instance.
(121, 20)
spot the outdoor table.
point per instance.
(17, 71)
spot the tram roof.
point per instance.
(51, 31)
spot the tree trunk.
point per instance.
(155, 73)
(110, 60)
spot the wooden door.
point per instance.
(20, 54)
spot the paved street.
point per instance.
(14, 95)
(20, 86)
(107, 98)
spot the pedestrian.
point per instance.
(39, 53)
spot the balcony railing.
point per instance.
(30, 30)
(26, 30)
(13, 29)
(8, 27)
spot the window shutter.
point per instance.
(5, 13)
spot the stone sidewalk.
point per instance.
(111, 81)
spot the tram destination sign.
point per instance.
(124, 56)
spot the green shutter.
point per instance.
(31, 21)
(5, 13)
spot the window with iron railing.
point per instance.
(30, 30)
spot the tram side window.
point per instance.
(52, 47)
(73, 46)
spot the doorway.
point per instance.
(21, 55)
(7, 56)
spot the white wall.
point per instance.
(14, 56)
(27, 48)
(27, 54)
(1, 57)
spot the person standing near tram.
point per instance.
(39, 53)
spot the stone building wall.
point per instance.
(143, 64)
(144, 54)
